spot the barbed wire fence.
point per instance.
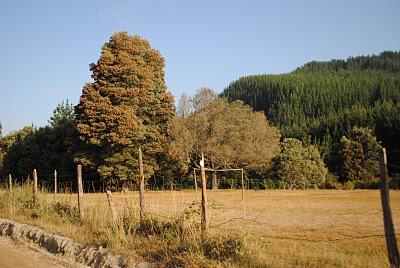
(68, 184)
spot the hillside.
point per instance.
(321, 101)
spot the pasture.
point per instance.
(281, 228)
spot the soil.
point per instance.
(13, 255)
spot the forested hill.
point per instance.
(321, 101)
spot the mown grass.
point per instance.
(274, 228)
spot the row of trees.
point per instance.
(127, 107)
(321, 102)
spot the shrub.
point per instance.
(394, 182)
(298, 166)
(66, 211)
(332, 182)
(349, 185)
(224, 248)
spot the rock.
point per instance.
(94, 256)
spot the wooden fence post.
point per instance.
(141, 187)
(10, 183)
(35, 186)
(391, 244)
(204, 213)
(243, 202)
(55, 182)
(111, 205)
(242, 186)
(80, 191)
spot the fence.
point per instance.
(217, 212)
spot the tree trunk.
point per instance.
(214, 178)
(214, 181)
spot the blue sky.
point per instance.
(47, 46)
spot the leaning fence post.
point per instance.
(111, 205)
(141, 187)
(35, 186)
(204, 216)
(391, 244)
(80, 191)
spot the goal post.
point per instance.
(221, 170)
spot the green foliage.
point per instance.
(322, 101)
(230, 135)
(63, 115)
(224, 248)
(359, 155)
(298, 166)
(66, 211)
(126, 107)
(332, 182)
(45, 149)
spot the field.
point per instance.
(280, 228)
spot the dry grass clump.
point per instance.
(176, 242)
(273, 228)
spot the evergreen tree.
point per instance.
(322, 101)
(126, 107)
(63, 115)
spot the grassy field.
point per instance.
(279, 228)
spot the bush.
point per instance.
(298, 166)
(224, 248)
(372, 183)
(332, 182)
(349, 185)
(66, 211)
(394, 182)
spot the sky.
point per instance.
(46, 46)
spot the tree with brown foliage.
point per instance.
(126, 107)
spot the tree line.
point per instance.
(322, 103)
(315, 118)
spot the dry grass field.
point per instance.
(282, 227)
(279, 228)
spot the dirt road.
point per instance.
(12, 255)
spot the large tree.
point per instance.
(298, 166)
(126, 107)
(230, 135)
(359, 155)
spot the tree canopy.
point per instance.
(322, 101)
(126, 107)
(46, 148)
(298, 166)
(359, 155)
(230, 135)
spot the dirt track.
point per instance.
(12, 255)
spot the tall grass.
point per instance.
(176, 242)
